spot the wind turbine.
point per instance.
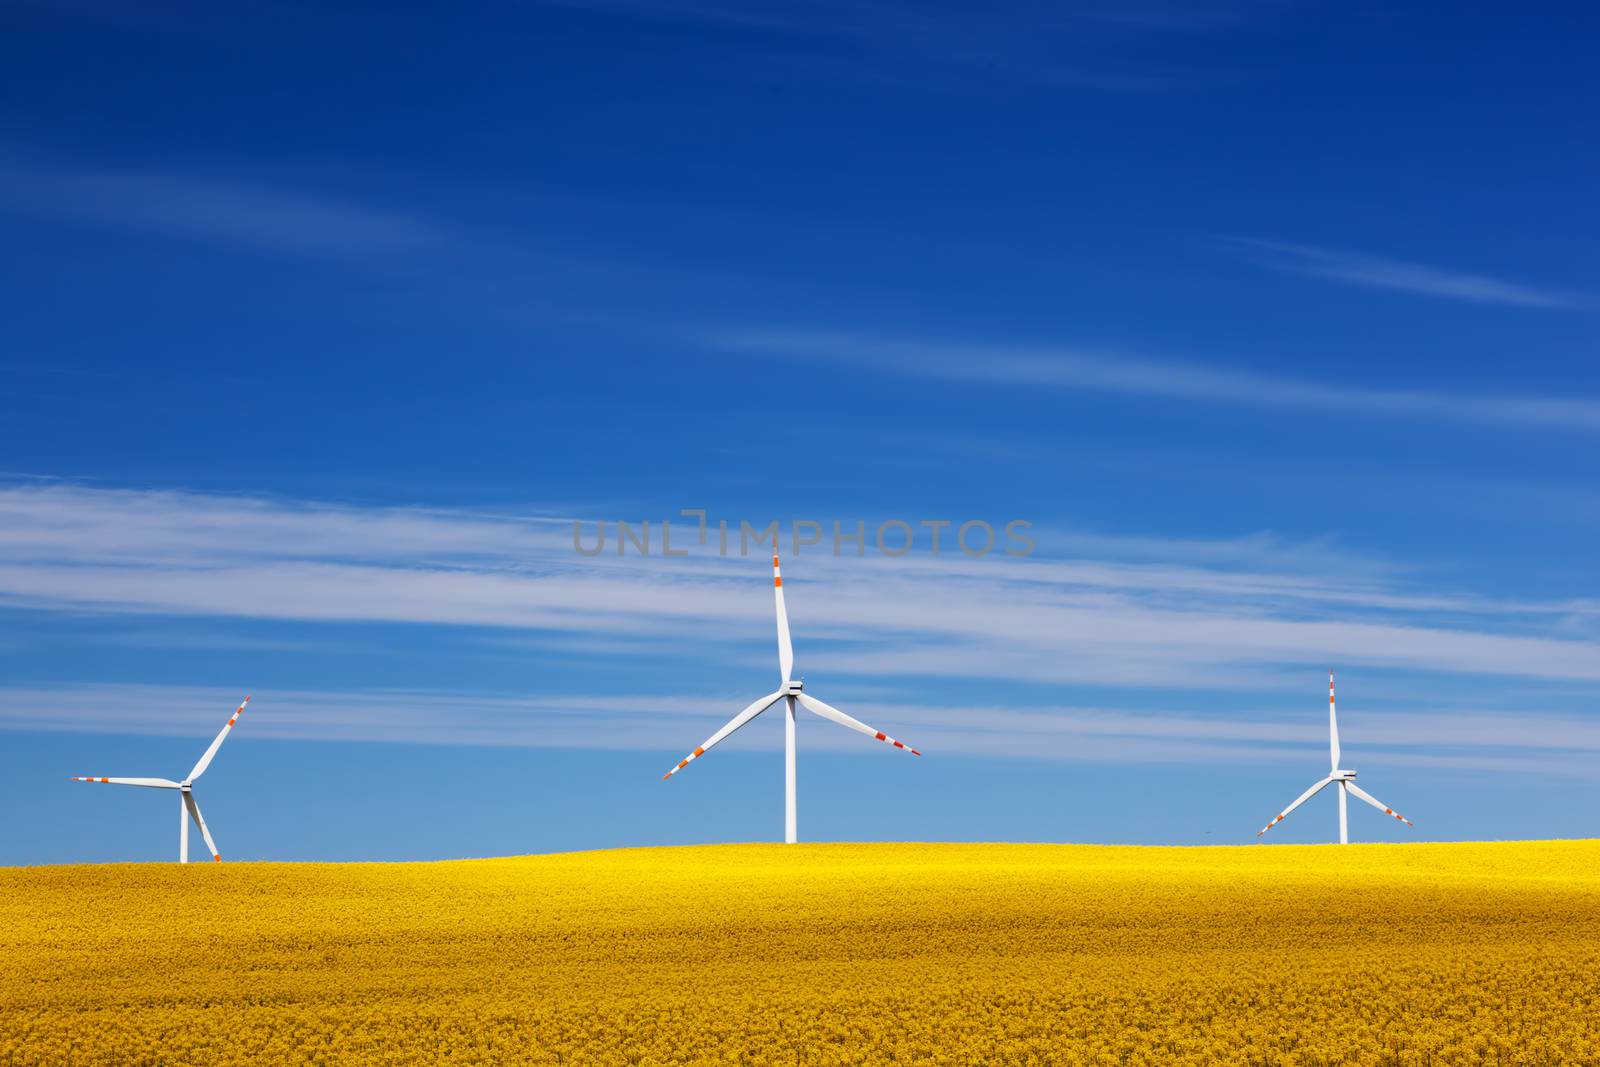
(1346, 780)
(187, 809)
(791, 693)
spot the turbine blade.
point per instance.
(828, 711)
(785, 649)
(1307, 795)
(222, 735)
(733, 724)
(148, 783)
(194, 813)
(1333, 729)
(1375, 802)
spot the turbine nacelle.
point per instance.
(1342, 776)
(792, 687)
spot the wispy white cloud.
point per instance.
(1056, 617)
(1378, 272)
(1522, 742)
(1095, 370)
(196, 206)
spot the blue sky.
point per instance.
(322, 323)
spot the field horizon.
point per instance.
(203, 862)
(1382, 953)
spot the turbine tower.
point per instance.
(187, 808)
(791, 693)
(1346, 780)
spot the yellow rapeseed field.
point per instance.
(817, 954)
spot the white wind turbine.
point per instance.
(187, 809)
(790, 694)
(1346, 780)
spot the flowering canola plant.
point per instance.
(817, 954)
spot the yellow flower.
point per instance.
(817, 954)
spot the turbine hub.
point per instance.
(793, 687)
(1343, 776)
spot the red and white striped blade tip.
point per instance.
(690, 758)
(881, 736)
